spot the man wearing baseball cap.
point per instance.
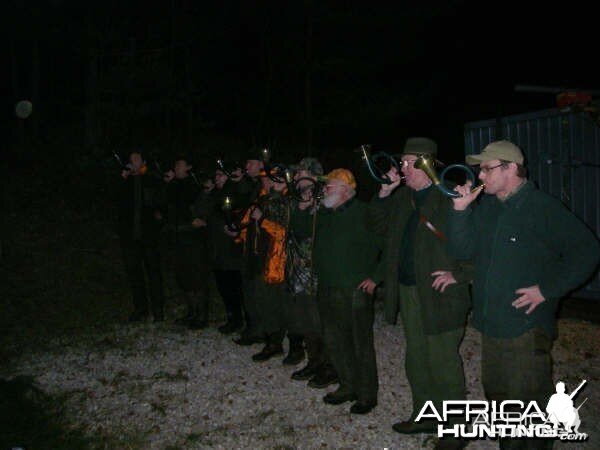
(528, 251)
(345, 255)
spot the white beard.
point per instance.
(330, 200)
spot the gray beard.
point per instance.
(330, 200)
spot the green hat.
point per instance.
(502, 150)
(419, 146)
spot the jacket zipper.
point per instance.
(487, 278)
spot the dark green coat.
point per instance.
(528, 239)
(345, 251)
(388, 217)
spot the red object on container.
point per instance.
(571, 98)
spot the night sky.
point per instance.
(242, 71)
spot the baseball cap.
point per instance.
(502, 150)
(343, 175)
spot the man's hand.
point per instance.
(168, 177)
(157, 215)
(467, 197)
(531, 296)
(367, 286)
(443, 279)
(256, 214)
(198, 223)
(125, 173)
(387, 189)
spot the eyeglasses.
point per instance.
(408, 162)
(489, 169)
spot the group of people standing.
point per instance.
(307, 265)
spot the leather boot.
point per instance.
(296, 353)
(306, 373)
(199, 320)
(246, 339)
(339, 396)
(362, 407)
(232, 325)
(268, 352)
(324, 377)
(190, 310)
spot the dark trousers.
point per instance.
(192, 272)
(191, 268)
(519, 369)
(433, 364)
(347, 321)
(252, 328)
(140, 256)
(302, 319)
(315, 352)
(268, 299)
(229, 285)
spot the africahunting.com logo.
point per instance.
(479, 419)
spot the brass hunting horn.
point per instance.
(427, 164)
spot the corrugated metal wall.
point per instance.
(562, 151)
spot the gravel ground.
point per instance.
(165, 387)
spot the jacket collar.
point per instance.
(516, 197)
(433, 197)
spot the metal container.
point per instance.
(562, 154)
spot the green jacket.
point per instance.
(529, 239)
(345, 252)
(388, 217)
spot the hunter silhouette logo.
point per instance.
(561, 410)
(512, 419)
